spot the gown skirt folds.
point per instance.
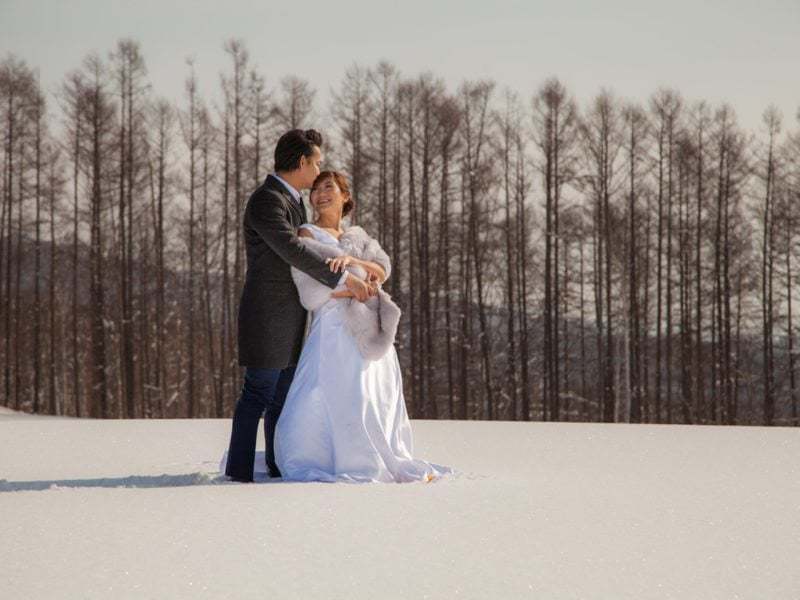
(345, 416)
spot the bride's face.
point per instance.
(327, 198)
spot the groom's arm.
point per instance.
(268, 219)
(303, 232)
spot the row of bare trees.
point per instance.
(607, 261)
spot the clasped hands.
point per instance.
(360, 289)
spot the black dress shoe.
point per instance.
(239, 479)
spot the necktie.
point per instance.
(301, 206)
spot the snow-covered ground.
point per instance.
(135, 509)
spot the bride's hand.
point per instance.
(339, 263)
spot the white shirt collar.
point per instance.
(295, 194)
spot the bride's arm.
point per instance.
(373, 269)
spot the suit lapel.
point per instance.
(297, 214)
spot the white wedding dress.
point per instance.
(345, 416)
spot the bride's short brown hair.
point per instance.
(341, 182)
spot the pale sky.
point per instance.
(744, 51)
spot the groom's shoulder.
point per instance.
(264, 203)
(266, 191)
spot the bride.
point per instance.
(345, 415)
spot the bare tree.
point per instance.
(636, 130)
(702, 120)
(772, 122)
(790, 220)
(37, 110)
(509, 122)
(477, 168)
(449, 116)
(163, 122)
(56, 337)
(261, 118)
(73, 97)
(17, 93)
(665, 107)
(189, 126)
(294, 108)
(352, 110)
(235, 95)
(555, 123)
(603, 137)
(128, 71)
(384, 81)
(99, 117)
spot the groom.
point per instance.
(271, 318)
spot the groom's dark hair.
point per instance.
(294, 144)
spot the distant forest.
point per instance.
(555, 259)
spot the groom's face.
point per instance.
(310, 167)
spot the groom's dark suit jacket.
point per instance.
(271, 318)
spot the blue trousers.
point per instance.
(263, 393)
